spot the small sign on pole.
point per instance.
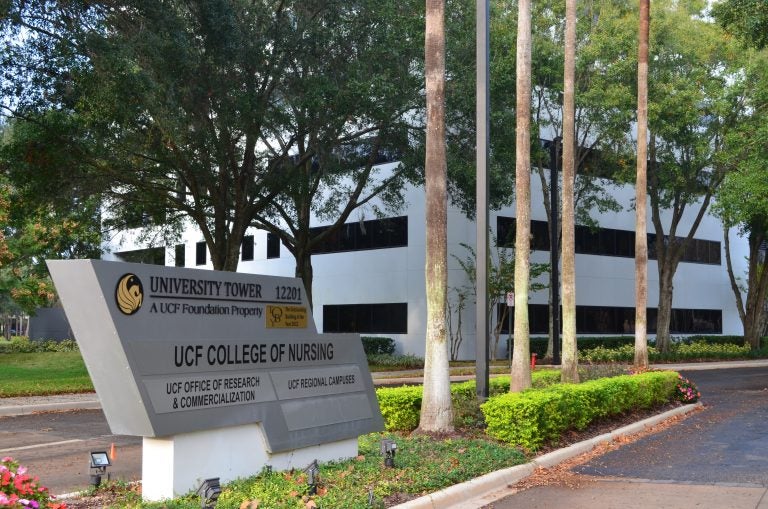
(511, 299)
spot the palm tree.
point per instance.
(641, 237)
(436, 409)
(521, 371)
(570, 362)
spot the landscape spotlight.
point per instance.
(388, 449)
(99, 463)
(209, 493)
(312, 471)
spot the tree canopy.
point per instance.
(35, 227)
(210, 110)
(748, 19)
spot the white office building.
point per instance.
(370, 277)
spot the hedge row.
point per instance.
(539, 344)
(21, 344)
(695, 351)
(400, 406)
(532, 418)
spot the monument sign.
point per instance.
(208, 365)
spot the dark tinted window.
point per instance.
(200, 253)
(363, 235)
(505, 232)
(605, 242)
(366, 318)
(246, 250)
(621, 320)
(273, 246)
(152, 255)
(180, 255)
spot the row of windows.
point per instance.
(363, 235)
(201, 252)
(605, 242)
(366, 318)
(393, 232)
(621, 320)
(152, 255)
(592, 163)
(358, 236)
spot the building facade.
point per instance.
(369, 278)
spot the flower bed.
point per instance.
(19, 489)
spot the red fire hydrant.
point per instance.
(533, 360)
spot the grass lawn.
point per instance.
(36, 374)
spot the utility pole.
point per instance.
(554, 247)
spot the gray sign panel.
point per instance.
(174, 350)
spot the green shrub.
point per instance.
(376, 345)
(682, 351)
(601, 354)
(539, 344)
(400, 406)
(712, 340)
(594, 371)
(386, 361)
(22, 344)
(532, 418)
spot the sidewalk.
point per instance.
(414, 376)
(56, 403)
(477, 492)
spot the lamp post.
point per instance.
(554, 248)
(483, 127)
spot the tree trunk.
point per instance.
(732, 278)
(641, 184)
(436, 408)
(664, 319)
(549, 356)
(305, 273)
(757, 292)
(570, 360)
(521, 370)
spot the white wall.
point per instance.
(397, 274)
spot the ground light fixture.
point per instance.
(388, 450)
(99, 463)
(209, 493)
(312, 471)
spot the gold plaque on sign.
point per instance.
(286, 317)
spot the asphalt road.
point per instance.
(726, 443)
(715, 458)
(55, 446)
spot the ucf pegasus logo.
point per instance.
(129, 294)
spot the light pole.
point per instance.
(554, 247)
(483, 128)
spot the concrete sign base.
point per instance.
(173, 466)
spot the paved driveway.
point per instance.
(715, 458)
(725, 443)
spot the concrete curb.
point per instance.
(489, 487)
(9, 411)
